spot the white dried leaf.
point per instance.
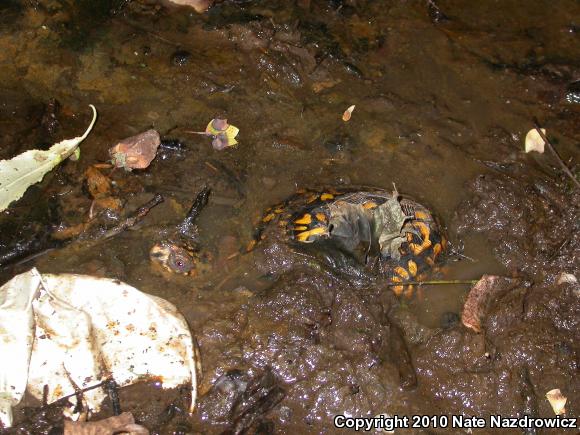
(30, 167)
(557, 400)
(199, 5)
(84, 328)
(534, 141)
(566, 278)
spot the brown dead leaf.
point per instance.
(136, 152)
(69, 232)
(108, 202)
(98, 184)
(124, 423)
(348, 113)
(479, 299)
(557, 400)
(320, 86)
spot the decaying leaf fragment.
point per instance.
(124, 423)
(97, 183)
(136, 152)
(389, 220)
(557, 400)
(534, 141)
(224, 134)
(480, 297)
(348, 113)
(199, 5)
(30, 167)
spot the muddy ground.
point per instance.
(445, 92)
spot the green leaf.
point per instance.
(30, 167)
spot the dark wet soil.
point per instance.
(445, 93)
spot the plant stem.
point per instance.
(565, 168)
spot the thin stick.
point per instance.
(209, 165)
(63, 399)
(135, 218)
(558, 158)
(436, 282)
(197, 132)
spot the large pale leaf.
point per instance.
(30, 167)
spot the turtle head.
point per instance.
(173, 258)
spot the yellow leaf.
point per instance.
(224, 133)
(231, 133)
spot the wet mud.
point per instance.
(445, 93)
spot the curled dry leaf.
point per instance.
(566, 278)
(534, 141)
(124, 423)
(224, 134)
(557, 400)
(480, 297)
(348, 113)
(199, 5)
(136, 152)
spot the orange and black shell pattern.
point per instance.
(307, 218)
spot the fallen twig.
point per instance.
(565, 168)
(135, 218)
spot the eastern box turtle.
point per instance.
(383, 231)
(178, 252)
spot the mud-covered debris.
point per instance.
(480, 297)
(136, 152)
(261, 396)
(30, 167)
(198, 5)
(557, 401)
(402, 359)
(534, 141)
(348, 113)
(224, 134)
(437, 16)
(124, 423)
(572, 95)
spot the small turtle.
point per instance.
(179, 253)
(382, 231)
